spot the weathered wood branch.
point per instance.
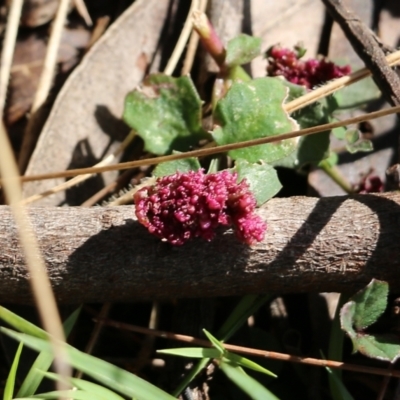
(103, 254)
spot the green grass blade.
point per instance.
(247, 306)
(43, 362)
(109, 375)
(192, 352)
(335, 349)
(341, 390)
(245, 362)
(245, 382)
(68, 394)
(21, 324)
(10, 383)
(93, 388)
(215, 342)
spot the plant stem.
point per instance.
(334, 173)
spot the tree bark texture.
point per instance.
(102, 254)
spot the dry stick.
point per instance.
(208, 151)
(368, 47)
(100, 27)
(102, 254)
(46, 80)
(335, 85)
(254, 352)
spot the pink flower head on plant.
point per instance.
(369, 183)
(310, 73)
(183, 206)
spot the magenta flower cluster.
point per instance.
(187, 205)
(310, 73)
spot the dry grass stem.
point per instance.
(256, 352)
(193, 44)
(83, 12)
(331, 87)
(183, 38)
(45, 82)
(212, 150)
(128, 196)
(8, 49)
(79, 179)
(39, 281)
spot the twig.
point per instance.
(83, 12)
(368, 47)
(79, 179)
(99, 29)
(213, 150)
(331, 87)
(192, 45)
(45, 82)
(255, 352)
(184, 36)
(8, 49)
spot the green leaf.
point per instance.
(370, 304)
(192, 352)
(245, 382)
(335, 350)
(245, 362)
(68, 394)
(242, 49)
(21, 324)
(341, 390)
(43, 362)
(94, 389)
(381, 347)
(247, 306)
(10, 383)
(114, 377)
(171, 167)
(339, 132)
(262, 179)
(362, 311)
(314, 148)
(166, 113)
(253, 110)
(362, 145)
(215, 342)
(352, 136)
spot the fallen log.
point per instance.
(102, 254)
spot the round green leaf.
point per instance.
(166, 113)
(253, 110)
(242, 49)
(370, 303)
